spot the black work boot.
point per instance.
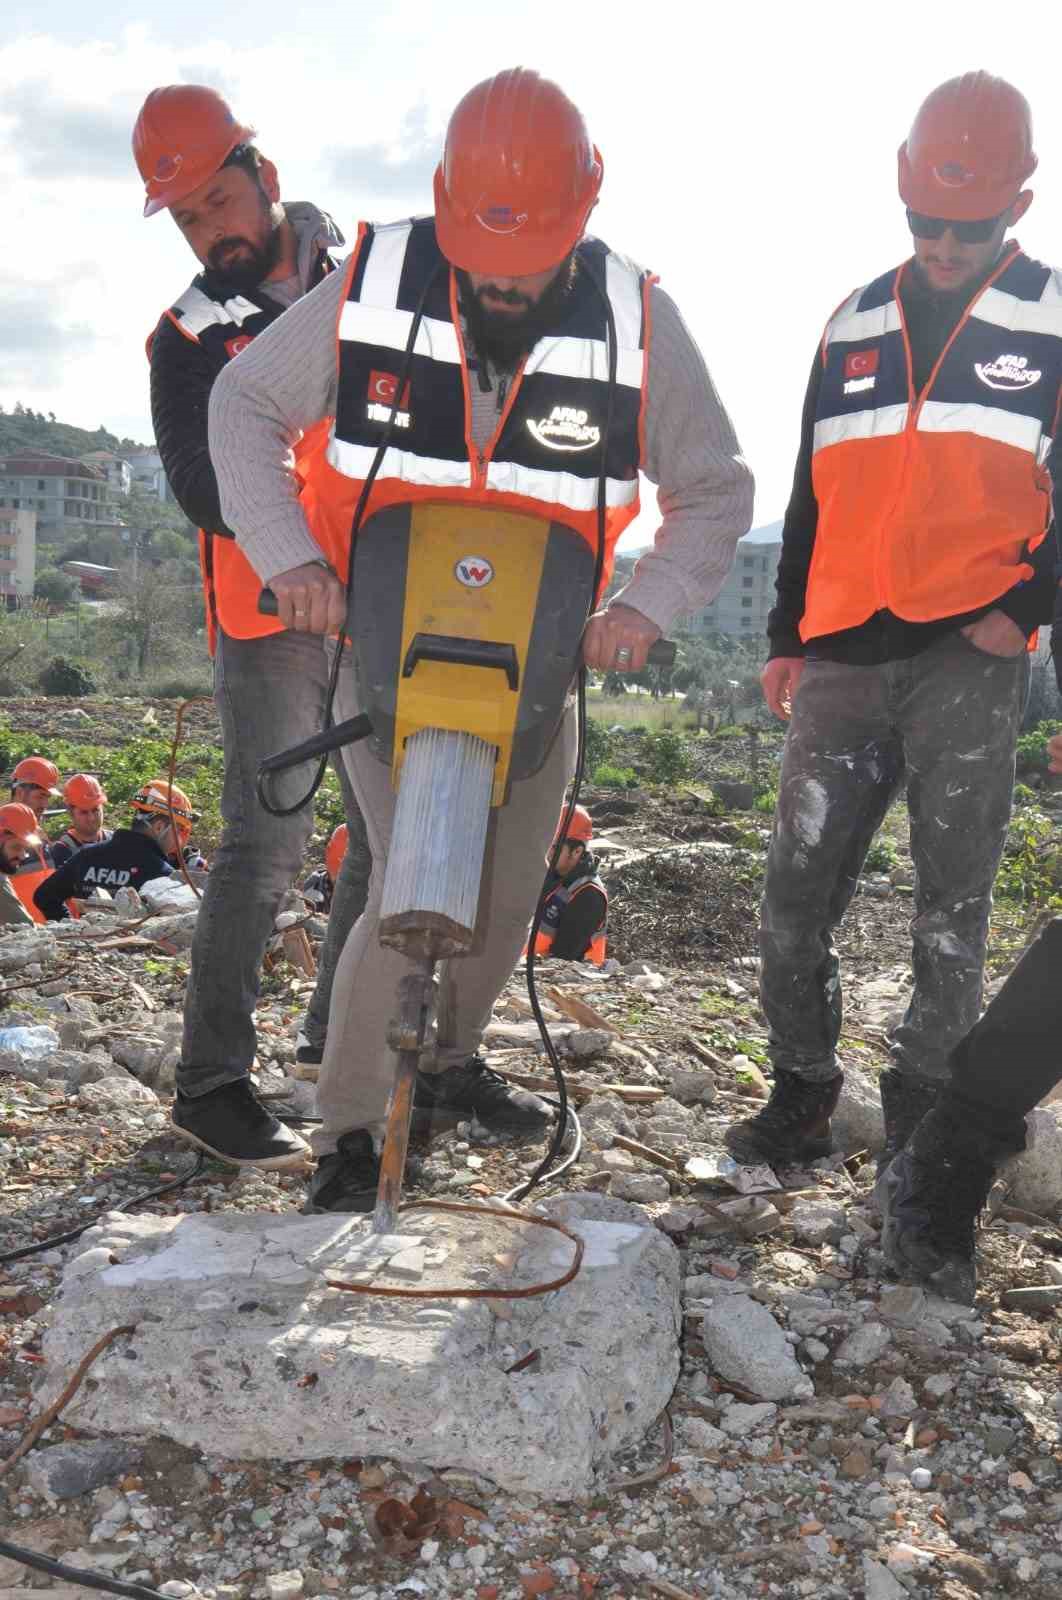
(233, 1124)
(473, 1093)
(347, 1179)
(931, 1197)
(792, 1128)
(905, 1100)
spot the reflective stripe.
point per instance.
(848, 327)
(988, 422)
(1006, 311)
(558, 488)
(870, 424)
(383, 265)
(623, 284)
(363, 324)
(354, 461)
(198, 311)
(586, 358)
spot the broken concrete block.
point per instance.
(1036, 1175)
(119, 1091)
(815, 1222)
(65, 1470)
(646, 1188)
(858, 1122)
(746, 1346)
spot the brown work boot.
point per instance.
(793, 1127)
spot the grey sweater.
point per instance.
(284, 383)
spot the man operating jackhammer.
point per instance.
(506, 407)
(914, 569)
(258, 255)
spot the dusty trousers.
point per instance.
(358, 1068)
(270, 694)
(947, 721)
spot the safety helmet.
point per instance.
(39, 772)
(83, 792)
(518, 178)
(161, 799)
(335, 850)
(580, 825)
(21, 822)
(184, 134)
(969, 151)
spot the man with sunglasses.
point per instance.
(914, 570)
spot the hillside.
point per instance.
(21, 429)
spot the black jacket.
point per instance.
(574, 924)
(128, 859)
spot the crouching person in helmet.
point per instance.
(160, 827)
(19, 841)
(85, 801)
(576, 908)
(34, 782)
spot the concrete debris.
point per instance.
(863, 1346)
(746, 1346)
(1035, 1176)
(63, 1471)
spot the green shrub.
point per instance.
(599, 743)
(610, 777)
(882, 855)
(729, 730)
(667, 757)
(767, 801)
(1023, 795)
(1032, 747)
(65, 677)
(1032, 864)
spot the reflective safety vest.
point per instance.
(223, 328)
(544, 457)
(36, 866)
(928, 504)
(557, 901)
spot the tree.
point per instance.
(58, 589)
(157, 609)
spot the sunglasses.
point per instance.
(978, 232)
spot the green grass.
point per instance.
(639, 711)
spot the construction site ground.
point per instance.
(927, 1462)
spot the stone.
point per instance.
(646, 1188)
(702, 1435)
(899, 1399)
(816, 1223)
(692, 1088)
(1042, 1298)
(863, 1345)
(1035, 1176)
(742, 1419)
(65, 1470)
(24, 947)
(879, 1583)
(111, 1093)
(284, 1585)
(921, 1478)
(858, 1122)
(325, 1373)
(746, 1346)
(904, 1306)
(602, 1118)
(75, 1067)
(139, 1054)
(583, 1043)
(938, 1384)
(734, 793)
(855, 1465)
(176, 931)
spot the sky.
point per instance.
(749, 152)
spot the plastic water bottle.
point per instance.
(32, 1042)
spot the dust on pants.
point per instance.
(948, 720)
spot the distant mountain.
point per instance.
(32, 430)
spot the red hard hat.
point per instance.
(580, 825)
(160, 799)
(20, 821)
(335, 850)
(43, 774)
(183, 135)
(83, 792)
(969, 151)
(518, 178)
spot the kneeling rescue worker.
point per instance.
(131, 857)
(19, 839)
(576, 908)
(34, 782)
(85, 801)
(507, 408)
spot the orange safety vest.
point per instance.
(558, 899)
(929, 504)
(30, 875)
(545, 455)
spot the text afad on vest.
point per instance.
(1007, 372)
(566, 429)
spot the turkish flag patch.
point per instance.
(383, 386)
(234, 346)
(861, 363)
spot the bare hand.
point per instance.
(310, 599)
(618, 639)
(996, 635)
(780, 679)
(1054, 753)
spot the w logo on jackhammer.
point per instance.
(475, 572)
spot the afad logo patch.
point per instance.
(1008, 372)
(566, 428)
(474, 572)
(860, 370)
(383, 386)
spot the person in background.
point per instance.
(18, 839)
(34, 782)
(575, 914)
(85, 801)
(160, 826)
(320, 885)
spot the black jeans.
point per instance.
(948, 720)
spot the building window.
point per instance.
(746, 622)
(746, 600)
(747, 561)
(40, 483)
(746, 583)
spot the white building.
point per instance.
(742, 605)
(149, 475)
(18, 554)
(116, 469)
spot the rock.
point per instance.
(899, 1399)
(904, 1307)
(702, 1435)
(23, 947)
(584, 1043)
(112, 1092)
(1036, 1299)
(176, 931)
(743, 1419)
(879, 1583)
(284, 1585)
(139, 1054)
(938, 1384)
(65, 1470)
(646, 1188)
(1036, 1175)
(746, 1346)
(603, 1117)
(692, 1088)
(864, 1345)
(816, 1223)
(74, 1068)
(921, 1478)
(998, 1440)
(858, 1122)
(855, 1465)
(325, 1373)
(735, 794)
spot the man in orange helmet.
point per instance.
(19, 839)
(914, 569)
(258, 255)
(160, 827)
(85, 801)
(511, 388)
(34, 782)
(576, 909)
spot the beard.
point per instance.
(6, 867)
(502, 339)
(256, 258)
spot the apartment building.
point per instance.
(66, 495)
(743, 603)
(18, 554)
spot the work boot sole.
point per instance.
(748, 1153)
(289, 1161)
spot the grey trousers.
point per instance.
(358, 1067)
(948, 720)
(270, 694)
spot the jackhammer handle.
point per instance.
(267, 603)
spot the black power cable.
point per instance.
(127, 1205)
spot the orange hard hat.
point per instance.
(518, 178)
(83, 792)
(162, 799)
(969, 151)
(335, 850)
(580, 825)
(183, 135)
(40, 772)
(20, 821)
